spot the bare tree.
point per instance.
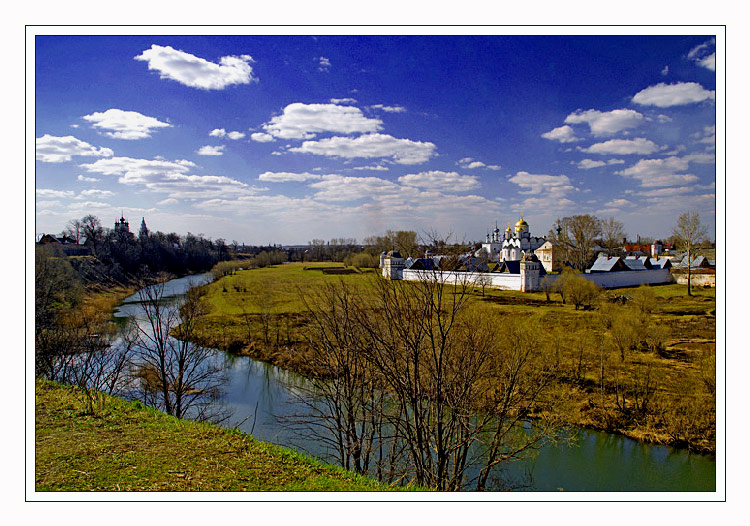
(453, 381)
(689, 233)
(93, 231)
(345, 396)
(575, 236)
(74, 229)
(483, 281)
(178, 375)
(613, 231)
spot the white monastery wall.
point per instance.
(609, 280)
(513, 281)
(498, 281)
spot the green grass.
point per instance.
(125, 446)
(282, 285)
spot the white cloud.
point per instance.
(704, 54)
(343, 101)
(133, 170)
(618, 203)
(606, 123)
(210, 150)
(701, 158)
(665, 71)
(442, 181)
(389, 109)
(88, 205)
(95, 193)
(50, 149)
(561, 134)
(660, 172)
(47, 193)
(87, 179)
(667, 192)
(470, 163)
(340, 188)
(324, 64)
(707, 136)
(197, 72)
(653, 167)
(622, 147)
(282, 177)
(261, 137)
(128, 125)
(170, 177)
(375, 167)
(588, 164)
(403, 151)
(222, 133)
(555, 185)
(304, 121)
(44, 206)
(708, 62)
(168, 201)
(665, 95)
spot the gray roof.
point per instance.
(605, 264)
(634, 264)
(699, 262)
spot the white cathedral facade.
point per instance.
(512, 244)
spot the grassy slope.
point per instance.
(127, 447)
(690, 343)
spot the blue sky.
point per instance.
(282, 139)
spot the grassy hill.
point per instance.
(125, 446)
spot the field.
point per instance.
(645, 368)
(124, 446)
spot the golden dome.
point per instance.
(521, 223)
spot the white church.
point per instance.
(511, 245)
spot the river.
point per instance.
(260, 395)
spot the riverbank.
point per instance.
(124, 446)
(660, 391)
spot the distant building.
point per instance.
(122, 225)
(512, 244)
(66, 244)
(608, 264)
(549, 257)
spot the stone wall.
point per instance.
(610, 280)
(494, 280)
(504, 281)
(696, 279)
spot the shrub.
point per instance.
(580, 291)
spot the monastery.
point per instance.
(511, 245)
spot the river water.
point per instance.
(261, 395)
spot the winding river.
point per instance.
(260, 395)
